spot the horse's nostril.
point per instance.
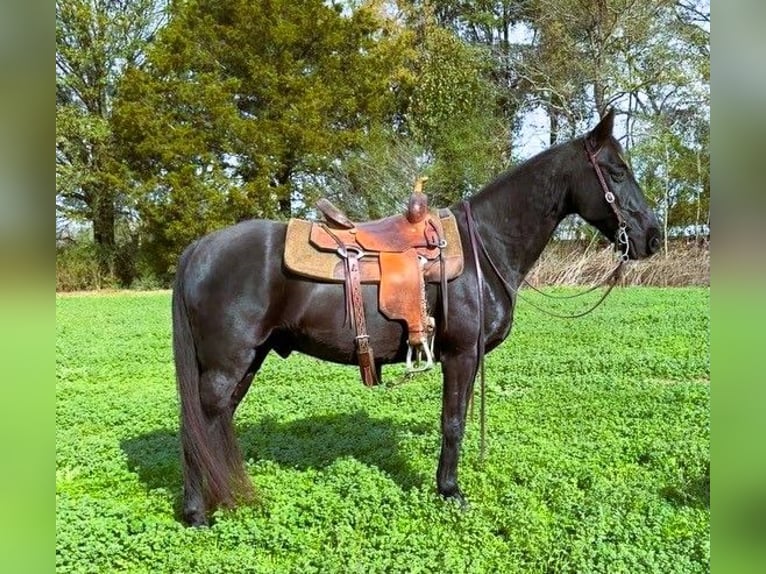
(654, 244)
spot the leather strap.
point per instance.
(473, 235)
(364, 351)
(355, 310)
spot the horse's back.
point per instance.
(232, 256)
(230, 280)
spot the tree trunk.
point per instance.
(554, 118)
(598, 98)
(284, 203)
(697, 222)
(667, 199)
(103, 234)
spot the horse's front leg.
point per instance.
(459, 372)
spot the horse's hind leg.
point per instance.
(209, 467)
(220, 479)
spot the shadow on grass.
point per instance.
(694, 492)
(694, 495)
(313, 442)
(318, 441)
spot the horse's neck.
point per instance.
(516, 217)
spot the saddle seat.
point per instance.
(400, 253)
(393, 234)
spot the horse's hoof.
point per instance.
(462, 502)
(195, 518)
(458, 498)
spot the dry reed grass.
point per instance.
(575, 263)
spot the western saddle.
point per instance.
(400, 253)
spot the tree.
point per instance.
(446, 124)
(493, 25)
(313, 100)
(670, 111)
(241, 105)
(650, 61)
(95, 41)
(673, 160)
(453, 115)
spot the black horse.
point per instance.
(233, 302)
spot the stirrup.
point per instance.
(422, 348)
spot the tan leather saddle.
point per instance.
(400, 253)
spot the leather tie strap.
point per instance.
(363, 349)
(355, 310)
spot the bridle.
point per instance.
(622, 226)
(621, 238)
(611, 279)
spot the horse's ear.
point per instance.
(603, 130)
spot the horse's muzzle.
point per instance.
(654, 242)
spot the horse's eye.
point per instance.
(618, 175)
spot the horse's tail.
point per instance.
(198, 451)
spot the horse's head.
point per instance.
(606, 194)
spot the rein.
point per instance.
(477, 243)
(476, 238)
(622, 237)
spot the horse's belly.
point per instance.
(321, 327)
(338, 344)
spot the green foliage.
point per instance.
(452, 114)
(598, 455)
(78, 264)
(94, 43)
(77, 267)
(494, 26)
(446, 127)
(239, 106)
(375, 180)
(674, 164)
(179, 118)
(648, 60)
(313, 101)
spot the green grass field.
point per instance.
(598, 451)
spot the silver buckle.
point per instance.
(350, 252)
